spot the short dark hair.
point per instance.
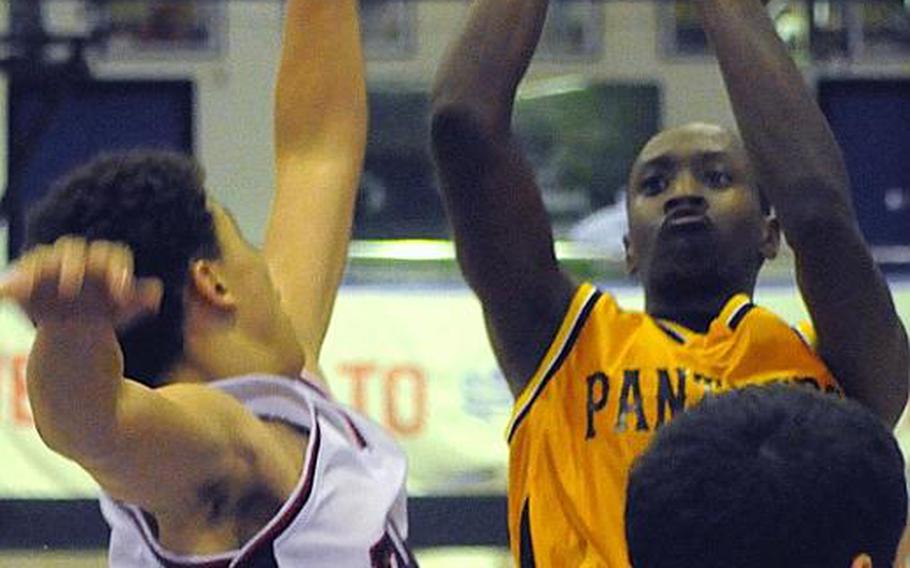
(763, 201)
(767, 476)
(155, 203)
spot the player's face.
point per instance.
(694, 211)
(259, 312)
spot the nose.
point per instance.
(686, 192)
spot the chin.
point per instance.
(685, 277)
(290, 370)
(295, 368)
(686, 262)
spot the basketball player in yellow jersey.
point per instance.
(593, 381)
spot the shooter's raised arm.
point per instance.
(502, 233)
(802, 172)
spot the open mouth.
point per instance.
(688, 222)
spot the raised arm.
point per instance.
(154, 448)
(803, 174)
(320, 137)
(502, 234)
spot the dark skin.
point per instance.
(860, 336)
(504, 240)
(697, 233)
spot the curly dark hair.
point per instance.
(767, 476)
(154, 202)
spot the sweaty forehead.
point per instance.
(691, 141)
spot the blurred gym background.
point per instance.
(407, 344)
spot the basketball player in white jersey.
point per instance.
(168, 351)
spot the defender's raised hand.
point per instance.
(78, 280)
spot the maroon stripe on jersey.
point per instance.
(210, 564)
(168, 562)
(265, 540)
(358, 437)
(318, 388)
(407, 557)
(557, 363)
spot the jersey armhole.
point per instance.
(806, 333)
(580, 308)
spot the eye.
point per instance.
(653, 185)
(718, 179)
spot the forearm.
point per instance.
(799, 164)
(320, 100)
(75, 374)
(482, 68)
(802, 172)
(860, 335)
(320, 124)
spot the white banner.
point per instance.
(414, 359)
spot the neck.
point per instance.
(694, 307)
(697, 317)
(209, 358)
(185, 372)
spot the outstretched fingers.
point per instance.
(91, 278)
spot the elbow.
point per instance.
(464, 129)
(84, 445)
(58, 442)
(51, 441)
(815, 230)
(822, 212)
(447, 101)
(455, 121)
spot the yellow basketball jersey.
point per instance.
(609, 379)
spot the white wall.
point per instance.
(234, 92)
(233, 101)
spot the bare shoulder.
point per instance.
(523, 326)
(232, 495)
(258, 444)
(179, 438)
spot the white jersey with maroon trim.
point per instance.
(348, 508)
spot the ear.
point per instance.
(770, 245)
(861, 561)
(207, 283)
(631, 261)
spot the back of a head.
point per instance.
(767, 476)
(155, 203)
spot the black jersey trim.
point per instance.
(741, 312)
(670, 332)
(558, 360)
(802, 337)
(525, 542)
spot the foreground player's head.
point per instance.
(768, 476)
(697, 220)
(219, 305)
